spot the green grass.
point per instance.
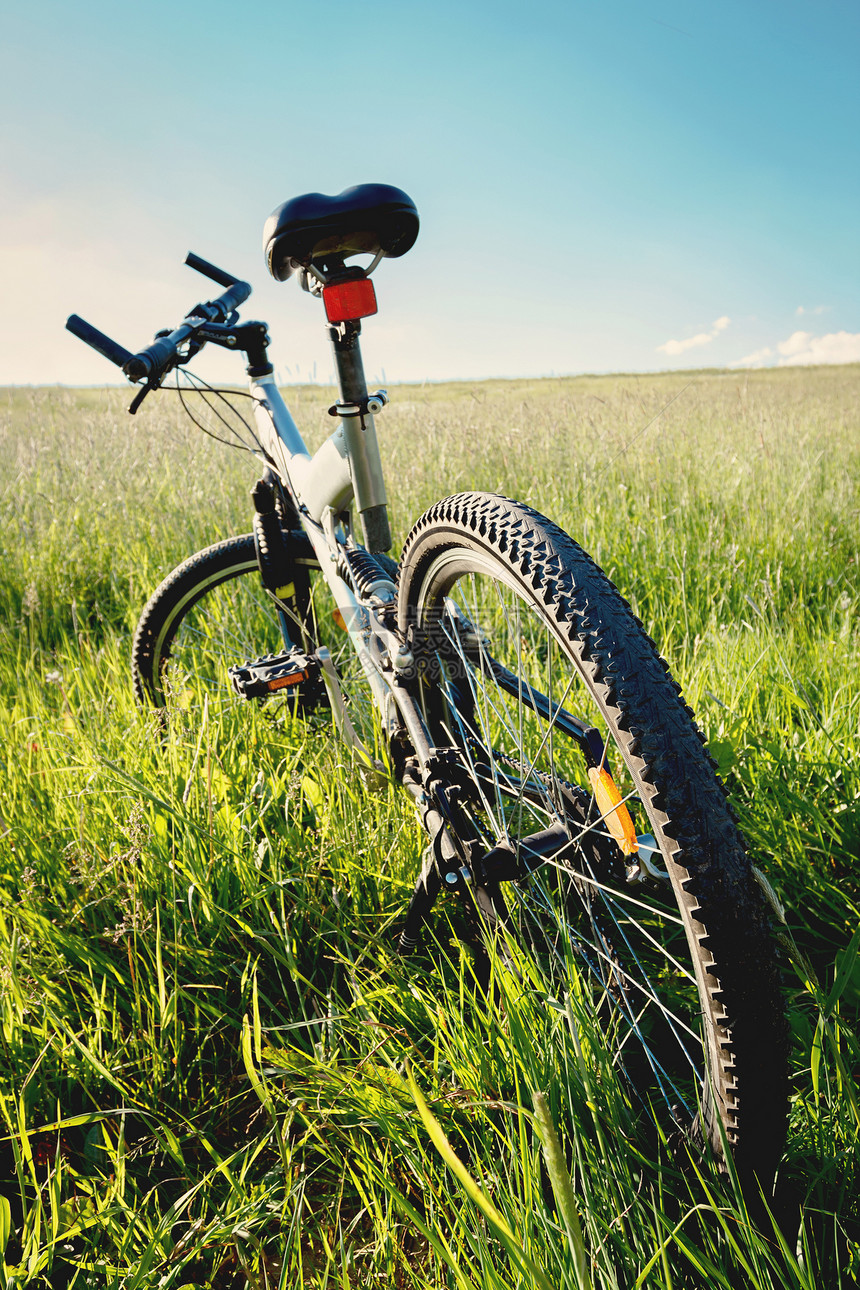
(215, 1072)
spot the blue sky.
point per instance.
(609, 186)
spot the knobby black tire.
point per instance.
(726, 921)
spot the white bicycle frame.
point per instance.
(346, 468)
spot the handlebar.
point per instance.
(153, 362)
(157, 355)
(209, 270)
(230, 300)
(84, 331)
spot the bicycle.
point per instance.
(499, 677)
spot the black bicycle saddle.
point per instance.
(368, 217)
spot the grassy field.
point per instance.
(206, 1037)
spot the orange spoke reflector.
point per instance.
(293, 679)
(338, 618)
(615, 814)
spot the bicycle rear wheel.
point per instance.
(562, 724)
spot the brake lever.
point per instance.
(155, 382)
(142, 393)
(194, 347)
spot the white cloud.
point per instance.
(756, 359)
(678, 346)
(796, 343)
(673, 347)
(803, 349)
(819, 309)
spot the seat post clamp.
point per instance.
(371, 403)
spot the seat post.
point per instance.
(360, 435)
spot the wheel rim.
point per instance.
(219, 623)
(578, 912)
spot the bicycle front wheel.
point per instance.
(562, 725)
(209, 613)
(213, 612)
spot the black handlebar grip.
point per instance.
(137, 367)
(97, 339)
(156, 358)
(157, 355)
(210, 271)
(235, 296)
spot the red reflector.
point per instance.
(345, 300)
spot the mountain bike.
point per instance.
(496, 674)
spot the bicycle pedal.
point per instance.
(293, 671)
